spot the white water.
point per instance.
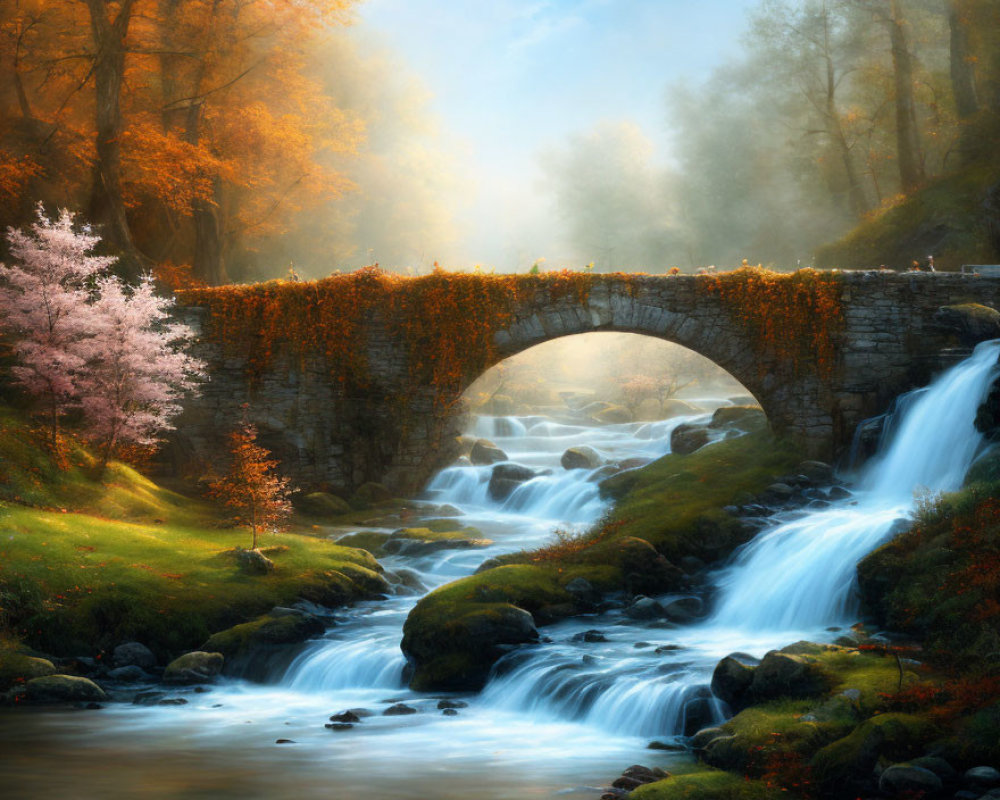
(646, 680)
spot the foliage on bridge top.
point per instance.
(449, 320)
(793, 317)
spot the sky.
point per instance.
(511, 81)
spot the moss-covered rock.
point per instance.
(280, 626)
(839, 766)
(196, 667)
(416, 541)
(743, 418)
(17, 667)
(369, 495)
(708, 784)
(63, 689)
(321, 504)
(971, 323)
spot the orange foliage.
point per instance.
(448, 320)
(794, 317)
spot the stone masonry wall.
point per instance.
(399, 435)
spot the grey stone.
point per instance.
(133, 654)
(906, 778)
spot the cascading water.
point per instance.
(790, 582)
(600, 691)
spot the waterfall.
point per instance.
(800, 575)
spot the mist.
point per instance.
(623, 377)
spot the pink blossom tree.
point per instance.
(138, 372)
(44, 305)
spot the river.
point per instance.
(559, 719)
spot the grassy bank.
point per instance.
(88, 563)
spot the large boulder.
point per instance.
(253, 649)
(581, 457)
(196, 667)
(687, 437)
(783, 674)
(972, 323)
(505, 478)
(484, 453)
(63, 689)
(133, 654)
(16, 668)
(457, 654)
(731, 681)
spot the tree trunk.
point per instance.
(963, 81)
(107, 205)
(855, 192)
(908, 150)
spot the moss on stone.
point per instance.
(708, 784)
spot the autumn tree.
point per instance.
(44, 306)
(257, 495)
(131, 386)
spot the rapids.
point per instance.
(558, 718)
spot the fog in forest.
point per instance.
(615, 377)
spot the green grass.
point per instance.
(675, 503)
(708, 784)
(86, 564)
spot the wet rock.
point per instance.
(781, 492)
(338, 726)
(644, 608)
(817, 471)
(62, 689)
(449, 712)
(133, 654)
(593, 636)
(782, 674)
(686, 438)
(451, 704)
(129, 674)
(171, 701)
(484, 453)
(284, 741)
(731, 682)
(399, 710)
(670, 747)
(196, 667)
(148, 698)
(838, 493)
(900, 778)
(583, 591)
(683, 610)
(981, 778)
(505, 478)
(582, 457)
(345, 716)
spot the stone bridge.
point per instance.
(395, 433)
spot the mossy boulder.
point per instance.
(708, 784)
(416, 541)
(454, 635)
(484, 452)
(839, 766)
(613, 415)
(195, 667)
(688, 437)
(321, 504)
(279, 627)
(17, 668)
(457, 653)
(63, 689)
(581, 457)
